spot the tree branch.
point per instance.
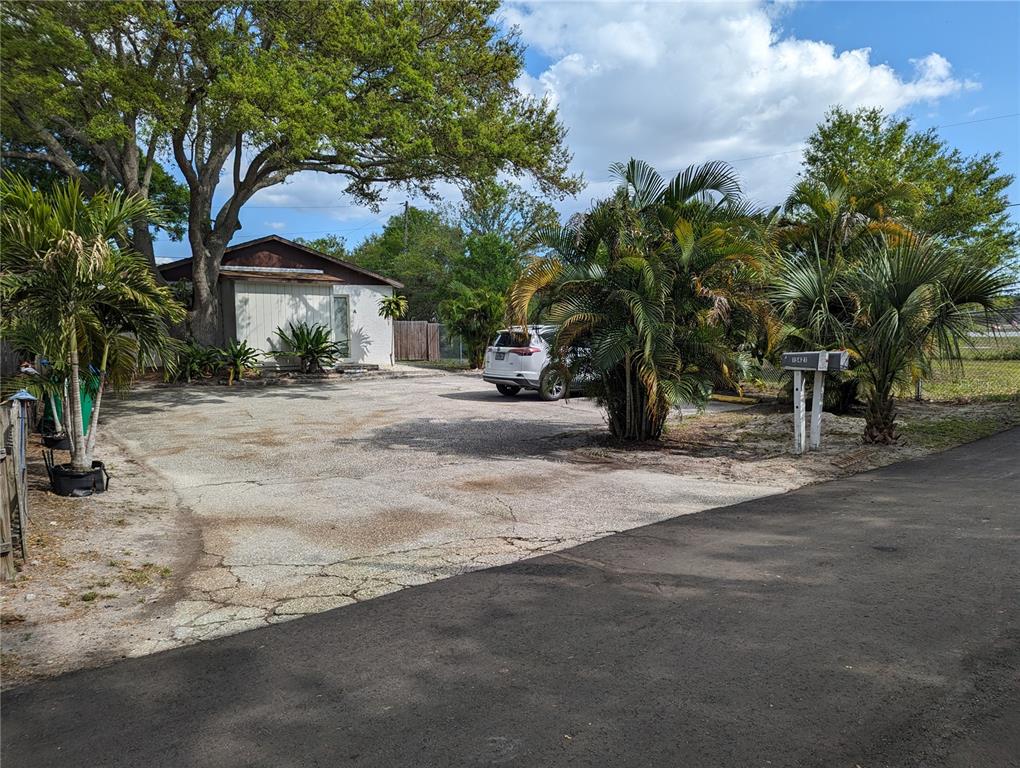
(61, 159)
(38, 157)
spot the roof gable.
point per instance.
(275, 253)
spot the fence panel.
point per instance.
(451, 346)
(12, 492)
(415, 340)
(990, 368)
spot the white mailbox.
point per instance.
(818, 363)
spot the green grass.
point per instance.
(945, 433)
(978, 379)
(442, 365)
(1002, 348)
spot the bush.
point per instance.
(311, 344)
(475, 316)
(192, 361)
(239, 359)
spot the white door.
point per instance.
(262, 307)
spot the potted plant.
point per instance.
(94, 304)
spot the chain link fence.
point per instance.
(989, 370)
(451, 346)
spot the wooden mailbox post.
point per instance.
(818, 363)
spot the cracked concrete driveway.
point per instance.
(313, 496)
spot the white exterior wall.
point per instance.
(371, 334)
(261, 307)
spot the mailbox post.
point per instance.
(818, 363)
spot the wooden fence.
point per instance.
(415, 340)
(13, 493)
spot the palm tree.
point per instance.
(91, 304)
(828, 220)
(896, 306)
(393, 307)
(648, 279)
(474, 315)
(830, 217)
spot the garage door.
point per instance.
(262, 307)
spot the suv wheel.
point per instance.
(507, 390)
(552, 385)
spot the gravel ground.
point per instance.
(279, 501)
(310, 497)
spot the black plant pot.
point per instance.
(67, 481)
(102, 476)
(59, 442)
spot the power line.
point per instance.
(284, 205)
(981, 120)
(314, 231)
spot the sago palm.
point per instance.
(90, 302)
(897, 307)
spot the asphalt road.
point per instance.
(867, 622)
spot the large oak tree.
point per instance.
(926, 183)
(243, 95)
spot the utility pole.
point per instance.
(405, 225)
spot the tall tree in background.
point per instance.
(34, 163)
(437, 262)
(243, 95)
(960, 200)
(424, 265)
(505, 210)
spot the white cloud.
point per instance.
(676, 84)
(670, 83)
(276, 226)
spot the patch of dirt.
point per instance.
(99, 575)
(509, 483)
(756, 445)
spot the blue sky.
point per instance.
(680, 83)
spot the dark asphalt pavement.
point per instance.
(869, 622)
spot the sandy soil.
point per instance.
(237, 511)
(102, 573)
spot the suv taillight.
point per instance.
(524, 351)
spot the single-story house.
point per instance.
(270, 282)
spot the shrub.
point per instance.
(192, 361)
(475, 316)
(311, 344)
(239, 359)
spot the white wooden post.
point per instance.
(817, 398)
(798, 412)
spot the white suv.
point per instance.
(519, 359)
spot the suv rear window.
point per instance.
(510, 339)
